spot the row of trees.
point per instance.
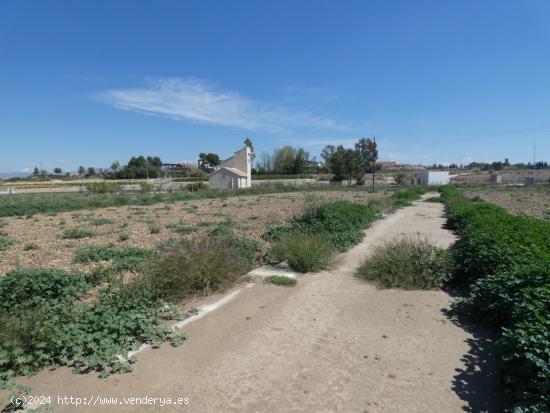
(286, 160)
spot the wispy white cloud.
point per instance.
(195, 100)
(62, 161)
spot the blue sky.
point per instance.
(90, 82)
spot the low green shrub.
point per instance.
(504, 262)
(280, 280)
(30, 247)
(203, 265)
(31, 287)
(77, 233)
(340, 221)
(123, 259)
(304, 252)
(6, 243)
(86, 336)
(407, 263)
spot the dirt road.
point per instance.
(332, 343)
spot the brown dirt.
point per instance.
(528, 200)
(251, 214)
(333, 343)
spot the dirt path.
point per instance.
(333, 343)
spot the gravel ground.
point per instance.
(251, 216)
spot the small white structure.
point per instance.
(235, 172)
(433, 177)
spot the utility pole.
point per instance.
(373, 161)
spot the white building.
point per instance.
(433, 177)
(235, 172)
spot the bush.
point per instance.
(407, 263)
(77, 233)
(304, 252)
(204, 265)
(280, 280)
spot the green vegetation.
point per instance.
(201, 266)
(407, 263)
(404, 197)
(303, 252)
(6, 243)
(100, 221)
(504, 262)
(31, 246)
(77, 233)
(181, 228)
(123, 259)
(280, 280)
(30, 204)
(309, 241)
(41, 324)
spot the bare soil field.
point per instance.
(529, 200)
(40, 241)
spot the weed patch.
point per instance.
(77, 233)
(407, 263)
(280, 280)
(303, 252)
(201, 266)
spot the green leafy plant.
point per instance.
(6, 243)
(503, 261)
(123, 259)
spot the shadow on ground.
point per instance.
(477, 382)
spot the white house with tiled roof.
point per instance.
(235, 172)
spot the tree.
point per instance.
(506, 162)
(81, 170)
(368, 151)
(207, 161)
(346, 164)
(266, 163)
(91, 171)
(283, 160)
(300, 161)
(36, 172)
(57, 171)
(327, 153)
(115, 165)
